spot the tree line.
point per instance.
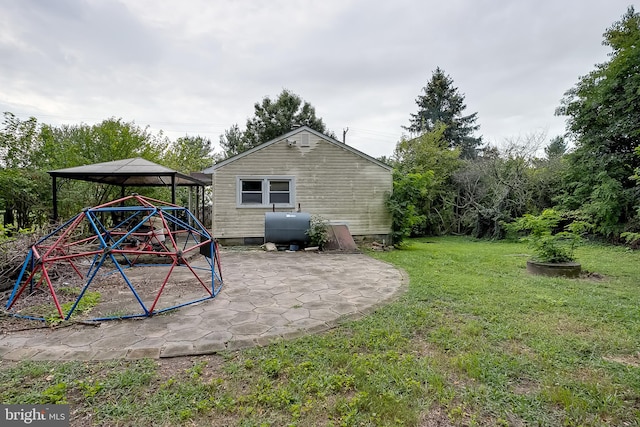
(445, 179)
(29, 149)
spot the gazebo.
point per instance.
(135, 172)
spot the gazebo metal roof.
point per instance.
(135, 172)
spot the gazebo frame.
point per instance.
(134, 172)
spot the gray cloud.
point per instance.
(197, 66)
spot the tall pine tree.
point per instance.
(441, 103)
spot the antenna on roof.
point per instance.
(344, 134)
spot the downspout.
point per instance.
(213, 200)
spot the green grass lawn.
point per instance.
(474, 341)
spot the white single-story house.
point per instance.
(303, 170)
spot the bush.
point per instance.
(549, 244)
(409, 191)
(318, 231)
(632, 239)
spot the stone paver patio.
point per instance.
(266, 296)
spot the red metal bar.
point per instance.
(65, 234)
(161, 202)
(53, 292)
(112, 202)
(66, 257)
(24, 285)
(166, 279)
(184, 262)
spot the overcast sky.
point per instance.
(196, 67)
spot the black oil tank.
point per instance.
(286, 227)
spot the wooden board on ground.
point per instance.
(340, 239)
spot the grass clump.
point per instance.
(88, 301)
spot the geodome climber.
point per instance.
(131, 257)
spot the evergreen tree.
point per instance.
(441, 103)
(232, 142)
(557, 148)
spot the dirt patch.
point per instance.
(515, 346)
(593, 276)
(435, 417)
(425, 349)
(632, 360)
(525, 387)
(172, 367)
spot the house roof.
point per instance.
(136, 172)
(289, 134)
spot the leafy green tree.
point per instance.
(112, 139)
(405, 203)
(18, 142)
(428, 163)
(429, 151)
(603, 120)
(76, 145)
(29, 149)
(190, 154)
(636, 175)
(24, 190)
(272, 119)
(441, 103)
(25, 197)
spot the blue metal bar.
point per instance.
(182, 305)
(22, 316)
(85, 287)
(176, 221)
(93, 263)
(127, 316)
(125, 221)
(99, 223)
(26, 262)
(57, 229)
(90, 218)
(212, 254)
(195, 220)
(126, 279)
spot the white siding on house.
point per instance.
(330, 180)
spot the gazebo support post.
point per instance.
(55, 199)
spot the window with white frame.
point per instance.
(263, 191)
